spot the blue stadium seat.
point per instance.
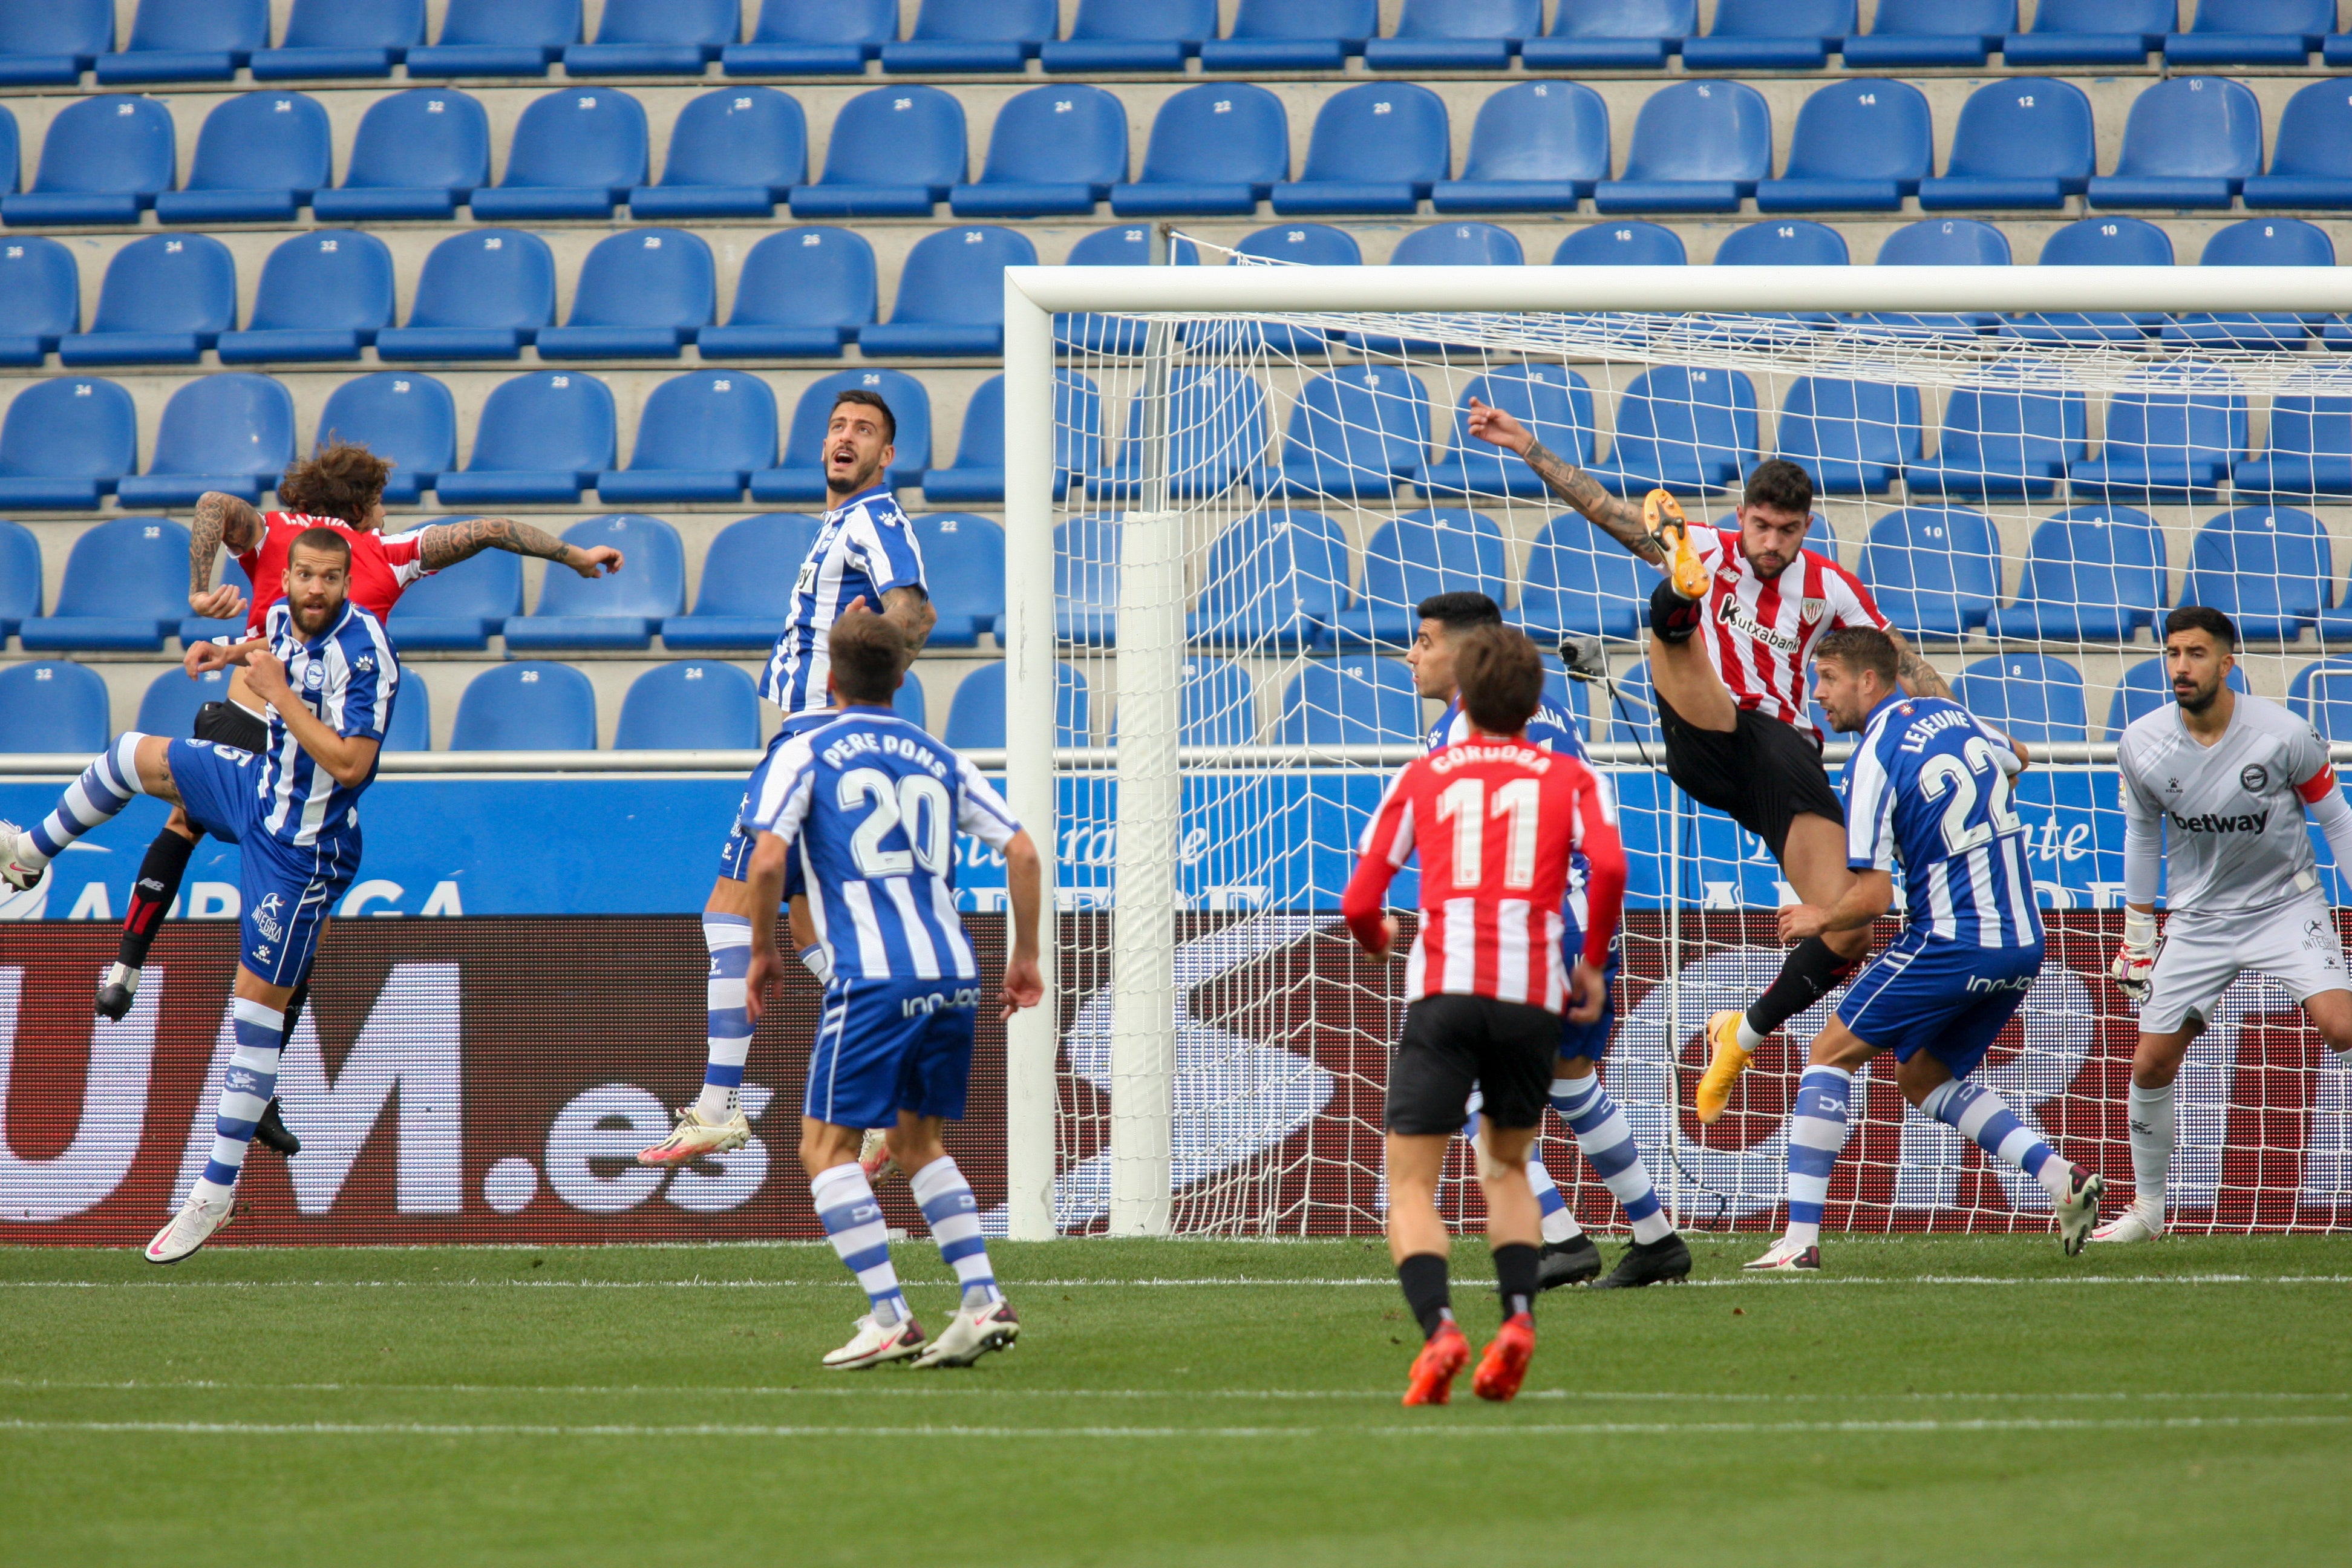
(2096, 242)
(194, 628)
(1132, 36)
(1086, 581)
(963, 561)
(188, 40)
(2321, 695)
(978, 471)
(701, 436)
(2016, 144)
(951, 294)
(528, 707)
(1293, 36)
(1935, 571)
(53, 705)
(799, 294)
(2310, 451)
(1357, 432)
(499, 37)
(258, 159)
(65, 443)
(2174, 441)
(800, 475)
(1378, 148)
(1216, 435)
(1785, 242)
(1273, 580)
(1633, 712)
(2091, 33)
(411, 728)
(1632, 244)
(2311, 158)
(973, 35)
(460, 606)
(1698, 146)
(169, 706)
(1577, 582)
(1771, 35)
(643, 294)
(481, 295)
(126, 588)
(748, 573)
(623, 610)
(1354, 701)
(735, 153)
(2252, 33)
(420, 154)
(1613, 34)
(2257, 242)
(1218, 705)
(1298, 244)
(892, 153)
(1931, 32)
(1686, 429)
(1554, 402)
(343, 38)
(11, 156)
(689, 705)
(2002, 442)
(232, 432)
(1455, 35)
(1437, 550)
(1216, 150)
(814, 37)
(1852, 437)
(20, 576)
(1941, 242)
(324, 295)
(2147, 686)
(2093, 574)
(2270, 569)
(40, 298)
(2190, 141)
(571, 154)
(103, 160)
(1055, 151)
(655, 37)
(976, 717)
(1860, 146)
(1535, 146)
(1443, 245)
(401, 415)
(1121, 245)
(2029, 697)
(49, 43)
(165, 300)
(543, 436)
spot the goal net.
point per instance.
(1228, 485)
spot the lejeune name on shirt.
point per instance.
(840, 753)
(1922, 731)
(2214, 822)
(1463, 756)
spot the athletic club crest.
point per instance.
(2253, 778)
(1813, 610)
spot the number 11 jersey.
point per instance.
(1929, 785)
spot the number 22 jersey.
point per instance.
(1929, 785)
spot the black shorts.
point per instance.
(1452, 1044)
(226, 724)
(1761, 773)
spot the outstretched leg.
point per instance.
(159, 874)
(1983, 1116)
(135, 764)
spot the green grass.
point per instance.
(1947, 1400)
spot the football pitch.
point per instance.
(1941, 1400)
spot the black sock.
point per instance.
(294, 1005)
(1810, 973)
(151, 894)
(1672, 617)
(1515, 1277)
(1422, 1275)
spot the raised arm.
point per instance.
(451, 542)
(1620, 520)
(220, 519)
(1916, 675)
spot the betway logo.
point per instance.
(2214, 822)
(1732, 614)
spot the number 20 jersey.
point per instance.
(1927, 786)
(871, 805)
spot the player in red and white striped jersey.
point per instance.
(1494, 821)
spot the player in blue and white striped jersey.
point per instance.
(1926, 789)
(326, 669)
(870, 807)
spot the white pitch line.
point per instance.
(1744, 1282)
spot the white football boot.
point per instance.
(16, 869)
(874, 1157)
(693, 1138)
(874, 1344)
(2078, 1211)
(2132, 1224)
(190, 1229)
(1785, 1258)
(972, 1335)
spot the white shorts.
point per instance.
(2293, 943)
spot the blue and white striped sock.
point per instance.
(853, 1223)
(1817, 1133)
(1984, 1116)
(1591, 1113)
(105, 787)
(953, 1214)
(1559, 1220)
(246, 1087)
(729, 938)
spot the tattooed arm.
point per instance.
(910, 610)
(220, 519)
(1916, 675)
(1620, 520)
(451, 542)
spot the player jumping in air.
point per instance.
(1732, 624)
(2216, 789)
(326, 672)
(1927, 786)
(870, 807)
(1494, 822)
(864, 555)
(1583, 1101)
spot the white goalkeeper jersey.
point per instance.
(2232, 814)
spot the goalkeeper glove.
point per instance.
(2137, 960)
(813, 956)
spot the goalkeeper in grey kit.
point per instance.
(2216, 787)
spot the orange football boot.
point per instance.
(1443, 1356)
(1505, 1366)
